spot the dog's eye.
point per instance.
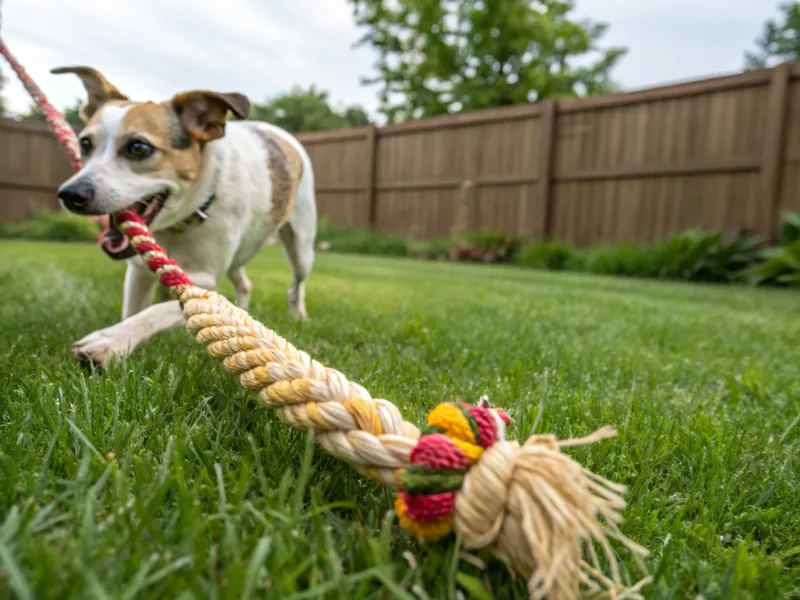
(86, 146)
(138, 149)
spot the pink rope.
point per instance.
(55, 119)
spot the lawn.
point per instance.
(162, 478)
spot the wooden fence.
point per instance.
(32, 166)
(718, 153)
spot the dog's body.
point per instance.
(212, 192)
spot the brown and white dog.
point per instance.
(211, 191)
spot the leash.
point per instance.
(528, 504)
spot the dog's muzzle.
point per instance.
(77, 196)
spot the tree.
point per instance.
(780, 40)
(71, 113)
(445, 56)
(307, 110)
(34, 114)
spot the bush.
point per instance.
(622, 259)
(790, 229)
(438, 249)
(780, 264)
(693, 255)
(553, 256)
(484, 246)
(59, 226)
(690, 256)
(699, 256)
(358, 241)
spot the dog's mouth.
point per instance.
(114, 242)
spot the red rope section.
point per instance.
(168, 271)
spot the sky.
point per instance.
(151, 49)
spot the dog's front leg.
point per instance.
(138, 290)
(103, 346)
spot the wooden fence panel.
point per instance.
(32, 166)
(715, 154)
(466, 172)
(418, 176)
(340, 175)
(641, 172)
(790, 180)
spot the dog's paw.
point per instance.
(100, 348)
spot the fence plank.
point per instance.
(372, 149)
(32, 166)
(545, 170)
(777, 105)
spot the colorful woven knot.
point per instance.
(453, 441)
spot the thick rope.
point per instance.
(530, 505)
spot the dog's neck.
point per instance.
(199, 195)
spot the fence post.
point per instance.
(372, 203)
(774, 138)
(546, 160)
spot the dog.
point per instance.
(211, 189)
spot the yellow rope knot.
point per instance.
(532, 506)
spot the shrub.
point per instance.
(358, 241)
(553, 256)
(60, 226)
(484, 246)
(699, 256)
(693, 255)
(438, 249)
(789, 229)
(780, 264)
(622, 259)
(690, 256)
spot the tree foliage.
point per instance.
(445, 56)
(34, 114)
(303, 110)
(780, 39)
(71, 113)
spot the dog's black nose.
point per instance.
(76, 196)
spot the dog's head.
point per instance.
(141, 156)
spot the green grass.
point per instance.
(210, 496)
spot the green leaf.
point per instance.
(473, 586)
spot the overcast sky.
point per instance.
(151, 49)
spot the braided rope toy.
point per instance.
(529, 504)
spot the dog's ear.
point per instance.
(204, 113)
(98, 89)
